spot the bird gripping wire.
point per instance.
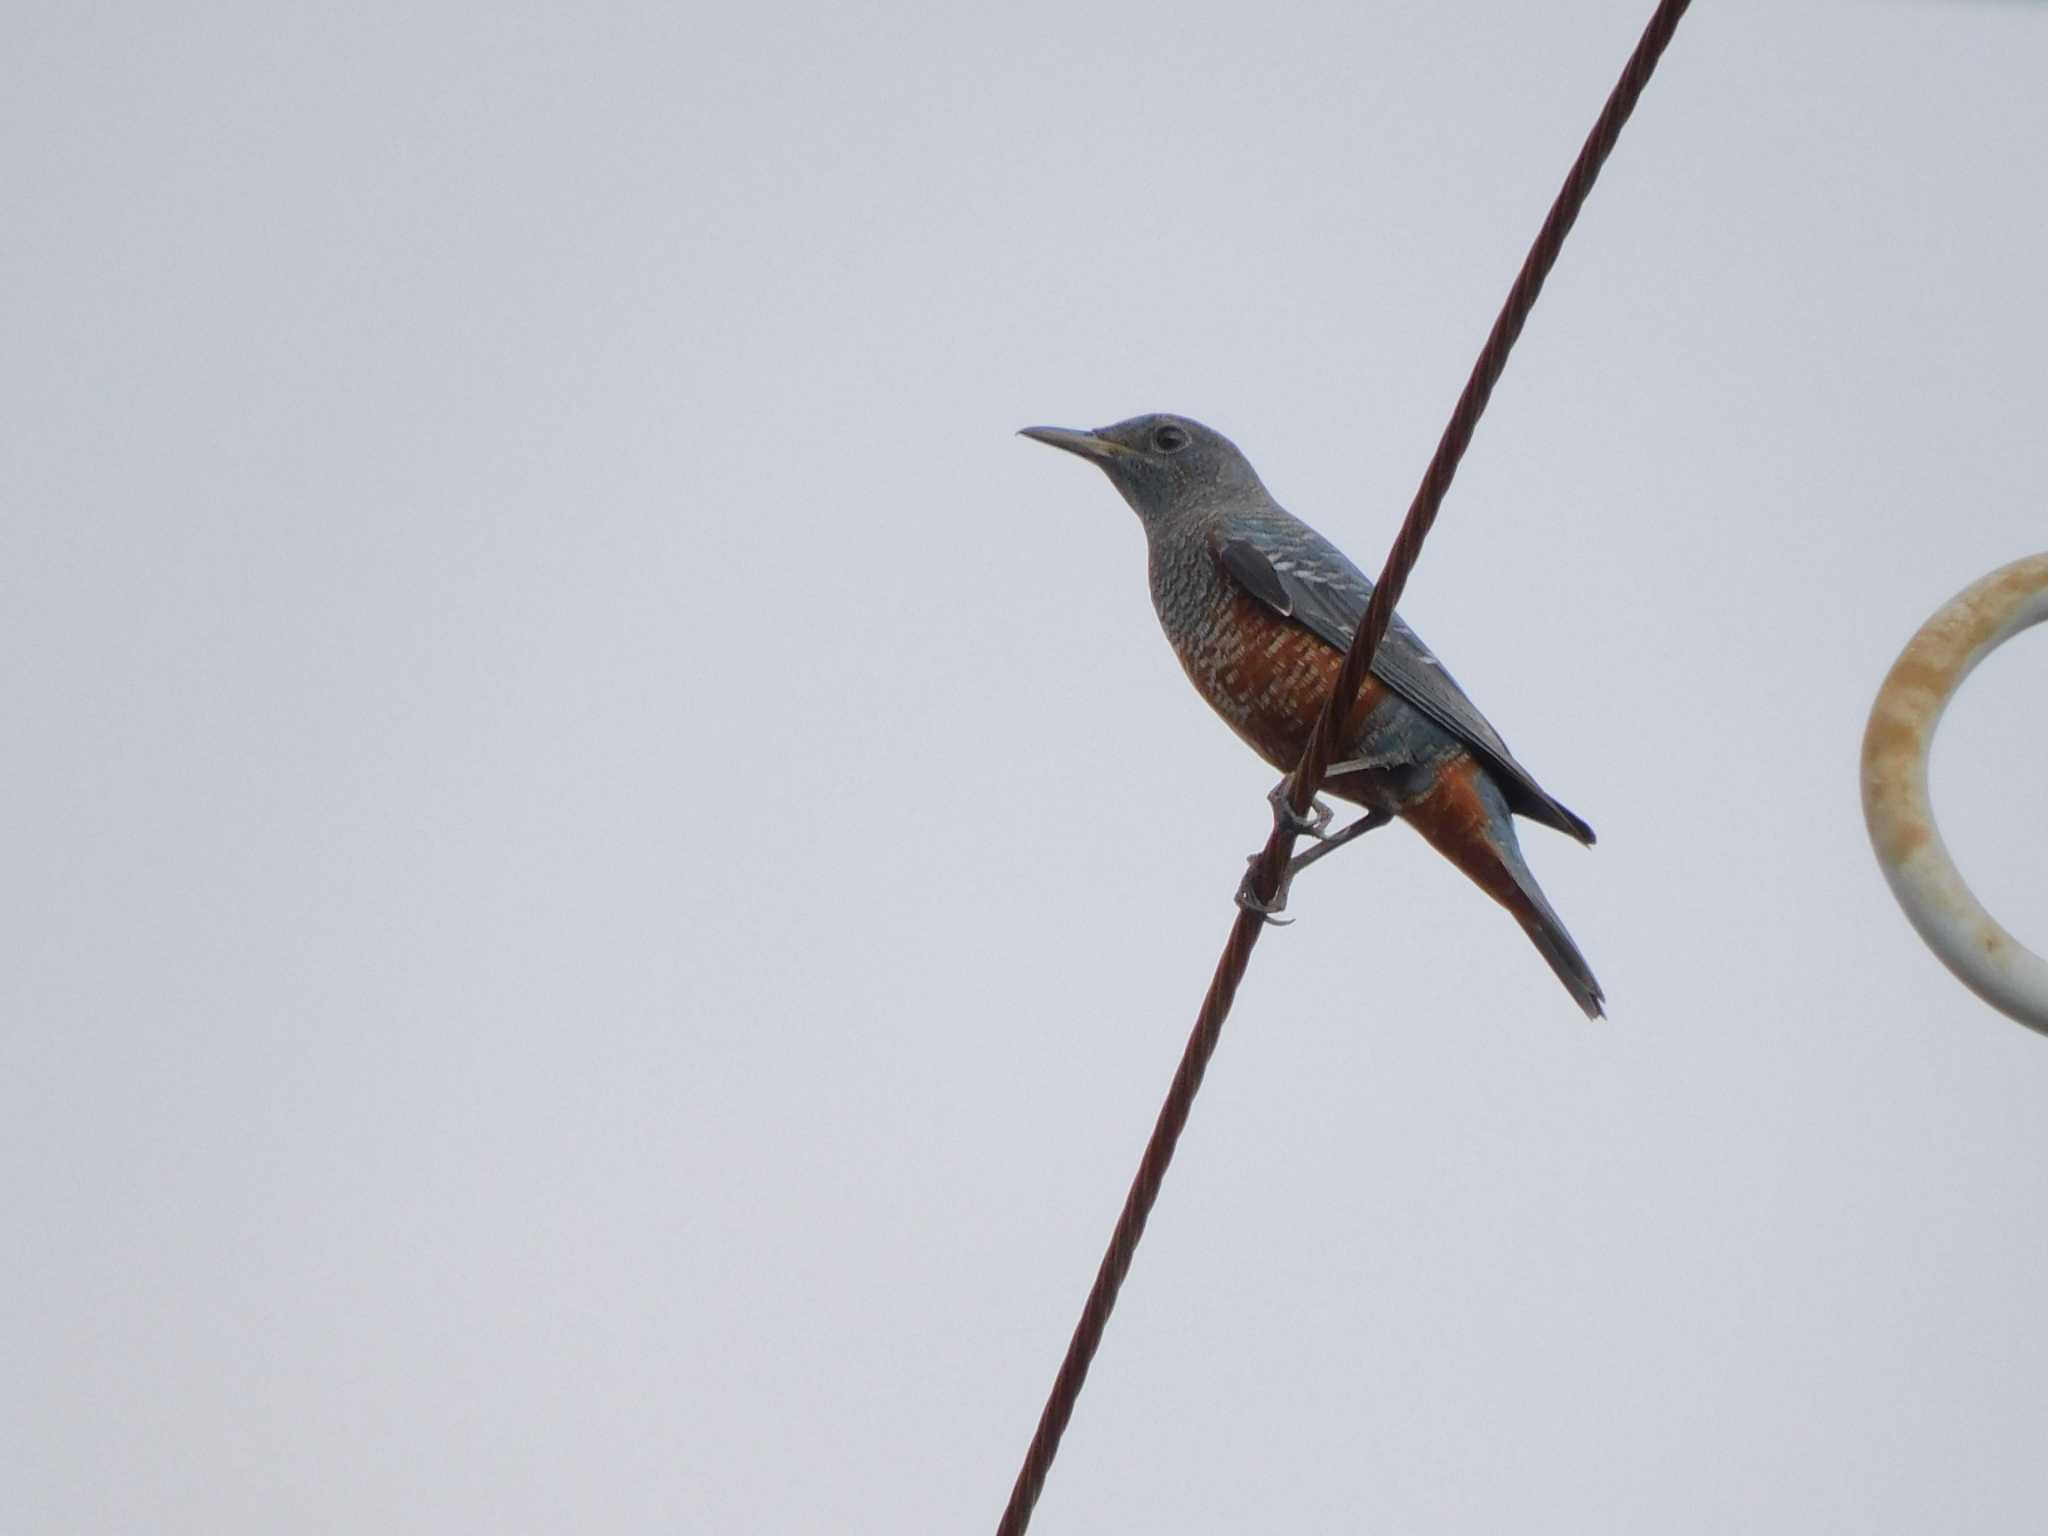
(1315, 762)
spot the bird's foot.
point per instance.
(1249, 900)
(1248, 897)
(1314, 824)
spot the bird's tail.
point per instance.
(1547, 933)
(1465, 817)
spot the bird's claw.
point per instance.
(1315, 824)
(1327, 843)
(1249, 900)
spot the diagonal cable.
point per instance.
(1307, 778)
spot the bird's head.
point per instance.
(1165, 466)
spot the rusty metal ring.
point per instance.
(1968, 939)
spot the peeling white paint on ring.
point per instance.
(1896, 743)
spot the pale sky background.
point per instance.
(603, 873)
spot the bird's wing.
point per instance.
(1298, 573)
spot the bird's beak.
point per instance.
(1086, 444)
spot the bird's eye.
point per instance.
(1167, 439)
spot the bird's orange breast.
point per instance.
(1267, 676)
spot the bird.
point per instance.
(1260, 610)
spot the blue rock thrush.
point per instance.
(1260, 608)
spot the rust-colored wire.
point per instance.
(1315, 761)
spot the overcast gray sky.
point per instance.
(603, 873)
